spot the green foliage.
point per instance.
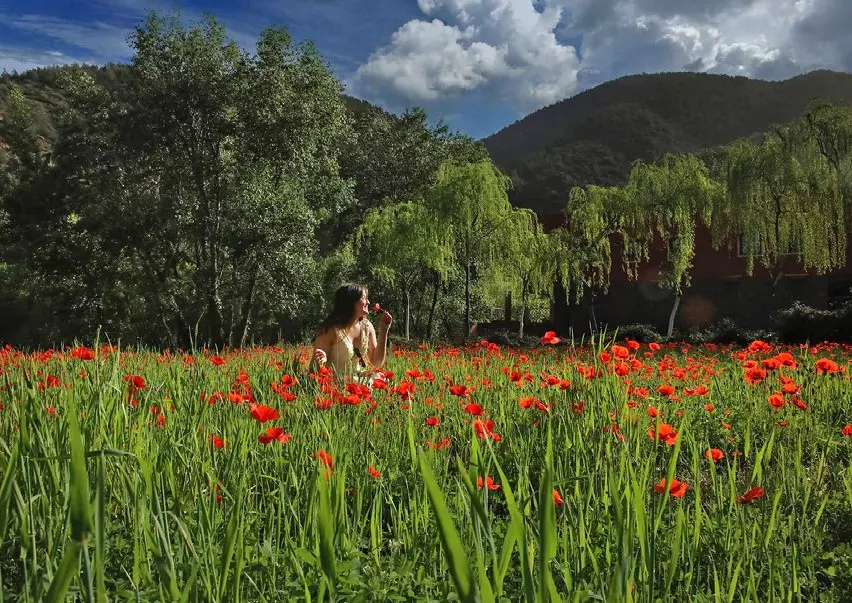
(784, 198)
(593, 138)
(189, 504)
(800, 323)
(472, 203)
(668, 199)
(400, 244)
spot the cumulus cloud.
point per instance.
(505, 48)
(740, 37)
(522, 51)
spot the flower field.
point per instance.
(630, 472)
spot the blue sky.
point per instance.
(477, 64)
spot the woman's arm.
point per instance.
(322, 344)
(377, 347)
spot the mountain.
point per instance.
(41, 88)
(594, 137)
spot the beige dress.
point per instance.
(342, 360)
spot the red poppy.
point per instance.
(557, 498)
(751, 495)
(459, 390)
(754, 375)
(847, 431)
(826, 366)
(217, 441)
(620, 352)
(377, 307)
(527, 402)
(758, 346)
(485, 429)
(790, 388)
(262, 414)
(433, 421)
(324, 458)
(677, 488)
(274, 433)
(776, 400)
(489, 483)
(786, 359)
(373, 470)
(550, 337)
(473, 409)
(654, 347)
(666, 390)
(714, 454)
(666, 433)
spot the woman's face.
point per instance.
(362, 306)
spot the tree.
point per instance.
(205, 160)
(403, 245)
(830, 128)
(472, 203)
(593, 216)
(530, 261)
(668, 198)
(784, 199)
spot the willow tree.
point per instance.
(784, 199)
(829, 127)
(402, 243)
(471, 202)
(667, 199)
(530, 261)
(593, 217)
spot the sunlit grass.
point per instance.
(158, 488)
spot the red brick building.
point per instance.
(720, 288)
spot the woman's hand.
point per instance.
(320, 357)
(387, 319)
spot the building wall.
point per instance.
(720, 288)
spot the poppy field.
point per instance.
(614, 472)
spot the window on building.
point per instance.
(793, 247)
(671, 248)
(744, 246)
(631, 252)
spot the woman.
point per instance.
(346, 341)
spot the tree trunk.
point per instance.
(672, 315)
(432, 306)
(406, 296)
(467, 298)
(523, 311)
(245, 321)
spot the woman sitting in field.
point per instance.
(347, 340)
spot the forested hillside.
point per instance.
(594, 137)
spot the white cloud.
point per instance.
(21, 60)
(514, 50)
(505, 48)
(99, 39)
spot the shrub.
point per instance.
(800, 323)
(639, 332)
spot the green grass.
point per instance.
(111, 492)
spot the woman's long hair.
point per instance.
(344, 306)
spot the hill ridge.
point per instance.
(593, 137)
